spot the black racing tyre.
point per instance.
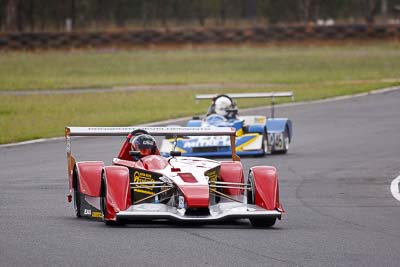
(264, 146)
(103, 199)
(256, 222)
(103, 196)
(77, 194)
(263, 223)
(251, 191)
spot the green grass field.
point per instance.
(312, 72)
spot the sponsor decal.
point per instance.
(154, 129)
(260, 120)
(148, 142)
(140, 177)
(278, 140)
(181, 202)
(87, 212)
(207, 141)
(212, 175)
(271, 139)
(96, 214)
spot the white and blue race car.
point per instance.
(255, 135)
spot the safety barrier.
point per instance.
(44, 40)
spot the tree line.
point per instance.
(61, 15)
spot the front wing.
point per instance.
(218, 212)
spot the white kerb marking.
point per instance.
(395, 188)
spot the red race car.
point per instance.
(143, 185)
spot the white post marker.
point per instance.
(395, 188)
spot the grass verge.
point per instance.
(287, 65)
(312, 72)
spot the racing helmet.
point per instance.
(222, 104)
(144, 143)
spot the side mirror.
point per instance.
(175, 153)
(196, 117)
(135, 154)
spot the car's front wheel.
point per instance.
(251, 199)
(103, 196)
(103, 201)
(77, 195)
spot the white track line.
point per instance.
(338, 98)
(395, 188)
(41, 140)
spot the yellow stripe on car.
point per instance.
(254, 137)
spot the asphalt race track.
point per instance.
(335, 187)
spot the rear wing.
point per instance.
(155, 131)
(271, 95)
(248, 95)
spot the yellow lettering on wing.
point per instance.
(141, 177)
(212, 175)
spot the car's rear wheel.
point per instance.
(251, 199)
(77, 195)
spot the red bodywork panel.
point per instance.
(196, 196)
(232, 171)
(121, 162)
(124, 152)
(187, 177)
(152, 163)
(118, 190)
(266, 185)
(89, 173)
